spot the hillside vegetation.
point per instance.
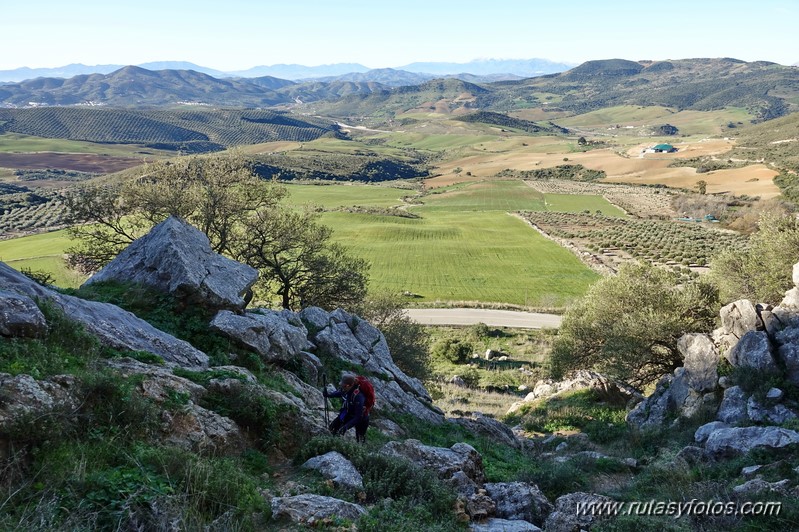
(187, 130)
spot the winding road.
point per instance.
(494, 318)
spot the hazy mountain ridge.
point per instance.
(517, 67)
(768, 90)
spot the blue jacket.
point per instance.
(351, 412)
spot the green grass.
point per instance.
(332, 196)
(465, 246)
(422, 141)
(457, 256)
(17, 143)
(41, 252)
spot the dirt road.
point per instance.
(494, 318)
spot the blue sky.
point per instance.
(239, 34)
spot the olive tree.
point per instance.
(628, 325)
(297, 261)
(241, 214)
(762, 271)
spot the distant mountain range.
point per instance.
(487, 67)
(767, 90)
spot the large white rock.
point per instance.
(177, 258)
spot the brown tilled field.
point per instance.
(81, 162)
(634, 167)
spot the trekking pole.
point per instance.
(324, 387)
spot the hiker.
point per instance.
(356, 405)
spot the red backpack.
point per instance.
(368, 392)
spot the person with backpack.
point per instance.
(357, 395)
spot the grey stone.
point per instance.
(791, 300)
(775, 394)
(157, 382)
(700, 359)
(775, 414)
(758, 485)
(703, 433)
(24, 396)
(519, 501)
(749, 471)
(266, 332)
(739, 317)
(310, 509)
(496, 524)
(741, 440)
(566, 518)
(733, 407)
(177, 258)
(113, 326)
(203, 431)
(788, 351)
(444, 462)
(652, 411)
(753, 350)
(692, 455)
(334, 466)
(20, 317)
(490, 428)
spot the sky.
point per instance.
(239, 34)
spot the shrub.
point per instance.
(452, 350)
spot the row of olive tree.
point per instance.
(243, 217)
(628, 325)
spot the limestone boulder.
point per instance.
(741, 440)
(444, 462)
(753, 350)
(202, 431)
(177, 258)
(308, 509)
(336, 468)
(566, 518)
(25, 397)
(520, 501)
(700, 360)
(20, 317)
(490, 428)
(739, 317)
(496, 524)
(114, 327)
(275, 336)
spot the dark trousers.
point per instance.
(360, 428)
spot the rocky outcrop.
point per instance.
(336, 468)
(202, 431)
(499, 432)
(113, 326)
(20, 317)
(277, 336)
(741, 440)
(312, 509)
(519, 501)
(25, 397)
(176, 258)
(567, 518)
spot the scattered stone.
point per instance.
(334, 466)
(519, 501)
(20, 317)
(750, 471)
(310, 509)
(496, 524)
(741, 440)
(565, 518)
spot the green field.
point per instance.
(42, 252)
(333, 196)
(465, 245)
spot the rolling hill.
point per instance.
(193, 130)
